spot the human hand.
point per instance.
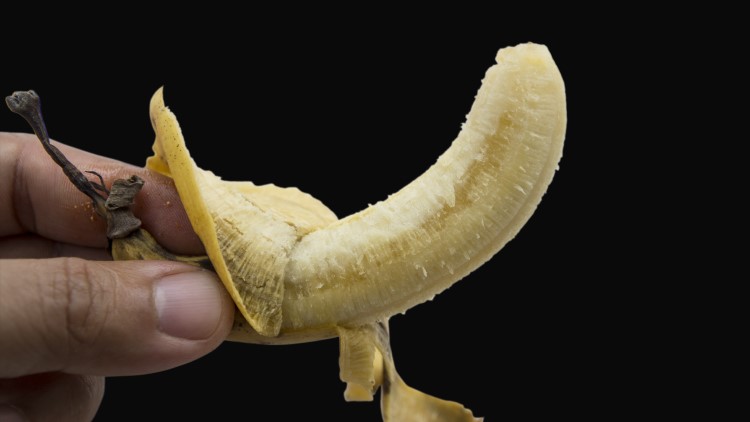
(67, 316)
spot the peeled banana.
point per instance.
(297, 273)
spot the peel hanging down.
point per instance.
(297, 273)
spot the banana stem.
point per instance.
(116, 207)
(127, 239)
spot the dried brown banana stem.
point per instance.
(127, 240)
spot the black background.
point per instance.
(371, 106)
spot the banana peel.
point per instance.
(248, 231)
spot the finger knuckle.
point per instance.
(87, 292)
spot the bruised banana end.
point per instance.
(297, 273)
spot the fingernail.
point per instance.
(189, 305)
(10, 413)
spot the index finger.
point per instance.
(35, 196)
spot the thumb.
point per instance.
(107, 318)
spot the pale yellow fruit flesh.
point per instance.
(300, 284)
(402, 251)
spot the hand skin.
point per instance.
(69, 316)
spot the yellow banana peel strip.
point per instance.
(248, 231)
(366, 363)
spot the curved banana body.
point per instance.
(451, 219)
(297, 273)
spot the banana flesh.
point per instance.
(297, 273)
